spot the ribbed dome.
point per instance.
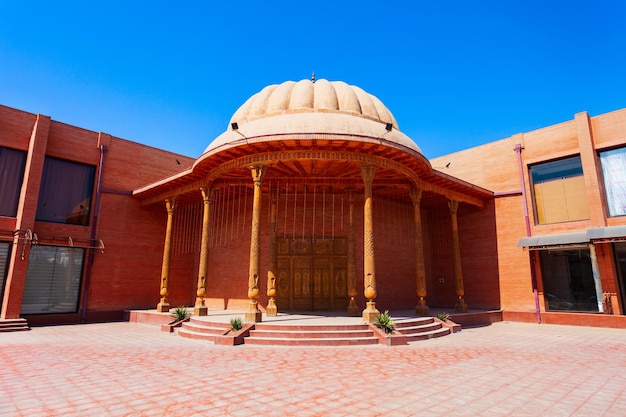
(307, 96)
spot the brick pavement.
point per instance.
(129, 369)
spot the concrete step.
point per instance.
(13, 325)
(414, 337)
(202, 330)
(311, 335)
(422, 328)
(414, 321)
(304, 334)
(315, 341)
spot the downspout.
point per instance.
(94, 230)
(596, 277)
(533, 274)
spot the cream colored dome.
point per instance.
(319, 96)
(312, 109)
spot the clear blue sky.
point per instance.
(455, 74)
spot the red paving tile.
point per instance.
(128, 369)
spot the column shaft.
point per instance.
(271, 309)
(253, 314)
(460, 305)
(420, 269)
(164, 306)
(369, 268)
(200, 308)
(353, 308)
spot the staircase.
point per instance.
(13, 325)
(267, 333)
(421, 328)
(312, 335)
(203, 330)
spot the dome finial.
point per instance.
(313, 77)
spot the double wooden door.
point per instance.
(312, 274)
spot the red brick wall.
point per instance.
(494, 166)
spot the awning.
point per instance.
(607, 233)
(554, 240)
(597, 234)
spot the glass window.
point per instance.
(12, 164)
(65, 192)
(568, 280)
(559, 190)
(614, 173)
(4, 265)
(52, 280)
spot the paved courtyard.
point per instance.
(129, 369)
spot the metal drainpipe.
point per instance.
(94, 226)
(533, 274)
(596, 277)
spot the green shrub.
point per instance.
(385, 322)
(443, 316)
(180, 313)
(235, 324)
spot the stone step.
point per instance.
(13, 325)
(281, 333)
(414, 337)
(311, 335)
(312, 327)
(327, 341)
(191, 334)
(202, 330)
(419, 328)
(411, 322)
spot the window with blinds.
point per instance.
(53, 280)
(559, 191)
(614, 174)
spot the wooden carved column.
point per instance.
(164, 305)
(460, 305)
(353, 308)
(369, 271)
(272, 309)
(420, 269)
(200, 309)
(253, 315)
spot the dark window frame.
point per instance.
(65, 193)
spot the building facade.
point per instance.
(312, 199)
(560, 198)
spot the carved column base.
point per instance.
(271, 310)
(163, 306)
(353, 309)
(200, 309)
(460, 306)
(421, 308)
(253, 315)
(370, 313)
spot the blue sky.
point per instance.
(455, 74)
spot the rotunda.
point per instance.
(312, 199)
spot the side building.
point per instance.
(74, 245)
(560, 198)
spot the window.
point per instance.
(568, 280)
(52, 280)
(12, 164)
(65, 192)
(614, 173)
(559, 189)
(4, 265)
